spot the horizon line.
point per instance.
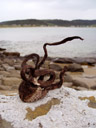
(45, 19)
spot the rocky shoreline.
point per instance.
(81, 76)
(10, 65)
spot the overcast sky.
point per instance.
(47, 9)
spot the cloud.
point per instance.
(47, 9)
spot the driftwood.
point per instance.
(34, 87)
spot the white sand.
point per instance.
(70, 113)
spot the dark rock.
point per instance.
(16, 54)
(78, 83)
(75, 68)
(17, 67)
(2, 55)
(79, 60)
(1, 62)
(2, 49)
(19, 60)
(93, 87)
(7, 67)
(63, 60)
(55, 67)
(1, 68)
(87, 61)
(8, 61)
(67, 78)
(79, 88)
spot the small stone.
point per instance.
(4, 73)
(7, 67)
(11, 81)
(62, 60)
(78, 83)
(2, 55)
(0, 82)
(67, 78)
(67, 84)
(14, 73)
(15, 54)
(2, 49)
(3, 87)
(93, 87)
(9, 61)
(1, 62)
(55, 67)
(1, 68)
(17, 67)
(79, 88)
(19, 61)
(75, 68)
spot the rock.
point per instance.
(3, 87)
(93, 87)
(1, 68)
(15, 54)
(2, 49)
(14, 73)
(19, 61)
(75, 68)
(81, 60)
(55, 67)
(79, 88)
(11, 81)
(7, 67)
(8, 61)
(0, 81)
(4, 73)
(2, 55)
(61, 108)
(1, 62)
(67, 78)
(62, 60)
(78, 83)
(17, 67)
(67, 84)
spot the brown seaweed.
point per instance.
(34, 87)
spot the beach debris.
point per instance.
(34, 86)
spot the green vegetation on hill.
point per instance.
(34, 22)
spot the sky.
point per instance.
(47, 9)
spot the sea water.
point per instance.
(28, 40)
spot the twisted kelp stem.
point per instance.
(56, 43)
(31, 90)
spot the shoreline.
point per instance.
(80, 70)
(80, 60)
(48, 26)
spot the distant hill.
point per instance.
(56, 22)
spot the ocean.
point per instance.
(27, 40)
